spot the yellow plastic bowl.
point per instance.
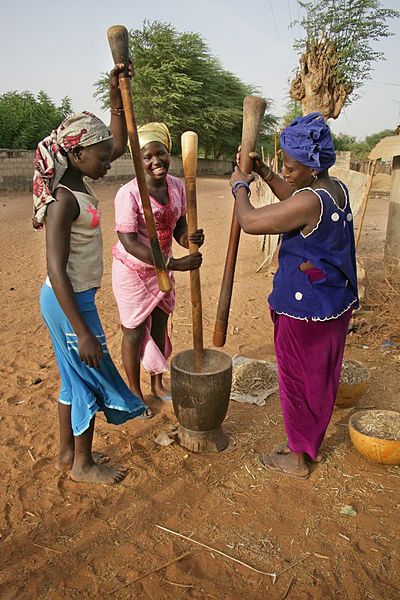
(349, 394)
(384, 451)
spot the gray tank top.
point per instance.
(85, 261)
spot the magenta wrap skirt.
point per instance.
(309, 356)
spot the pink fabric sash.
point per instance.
(137, 295)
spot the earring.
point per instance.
(314, 176)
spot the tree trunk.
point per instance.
(316, 84)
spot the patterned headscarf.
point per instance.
(154, 132)
(309, 141)
(80, 129)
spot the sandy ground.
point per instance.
(60, 539)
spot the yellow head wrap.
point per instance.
(154, 132)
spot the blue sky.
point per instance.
(62, 47)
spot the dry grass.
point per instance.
(381, 301)
(254, 376)
(383, 424)
(353, 372)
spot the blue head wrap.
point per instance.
(309, 141)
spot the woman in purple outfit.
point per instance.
(314, 289)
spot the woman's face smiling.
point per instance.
(295, 173)
(156, 160)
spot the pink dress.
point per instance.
(135, 282)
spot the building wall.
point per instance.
(16, 169)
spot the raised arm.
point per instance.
(298, 212)
(278, 185)
(117, 122)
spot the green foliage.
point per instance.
(267, 142)
(359, 149)
(293, 110)
(371, 140)
(26, 119)
(179, 82)
(343, 142)
(352, 25)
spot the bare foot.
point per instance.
(161, 392)
(137, 392)
(158, 389)
(163, 397)
(65, 460)
(147, 414)
(284, 449)
(291, 463)
(99, 474)
(320, 458)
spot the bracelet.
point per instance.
(240, 184)
(269, 176)
(167, 262)
(117, 110)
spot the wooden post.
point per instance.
(276, 160)
(364, 203)
(392, 244)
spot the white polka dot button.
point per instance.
(298, 295)
(335, 217)
(349, 217)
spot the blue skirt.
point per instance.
(86, 389)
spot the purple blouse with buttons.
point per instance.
(330, 291)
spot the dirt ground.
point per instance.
(60, 539)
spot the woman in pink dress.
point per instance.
(143, 308)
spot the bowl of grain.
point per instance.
(376, 435)
(354, 381)
(253, 381)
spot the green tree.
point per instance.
(293, 109)
(359, 148)
(337, 52)
(343, 142)
(362, 149)
(178, 81)
(26, 119)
